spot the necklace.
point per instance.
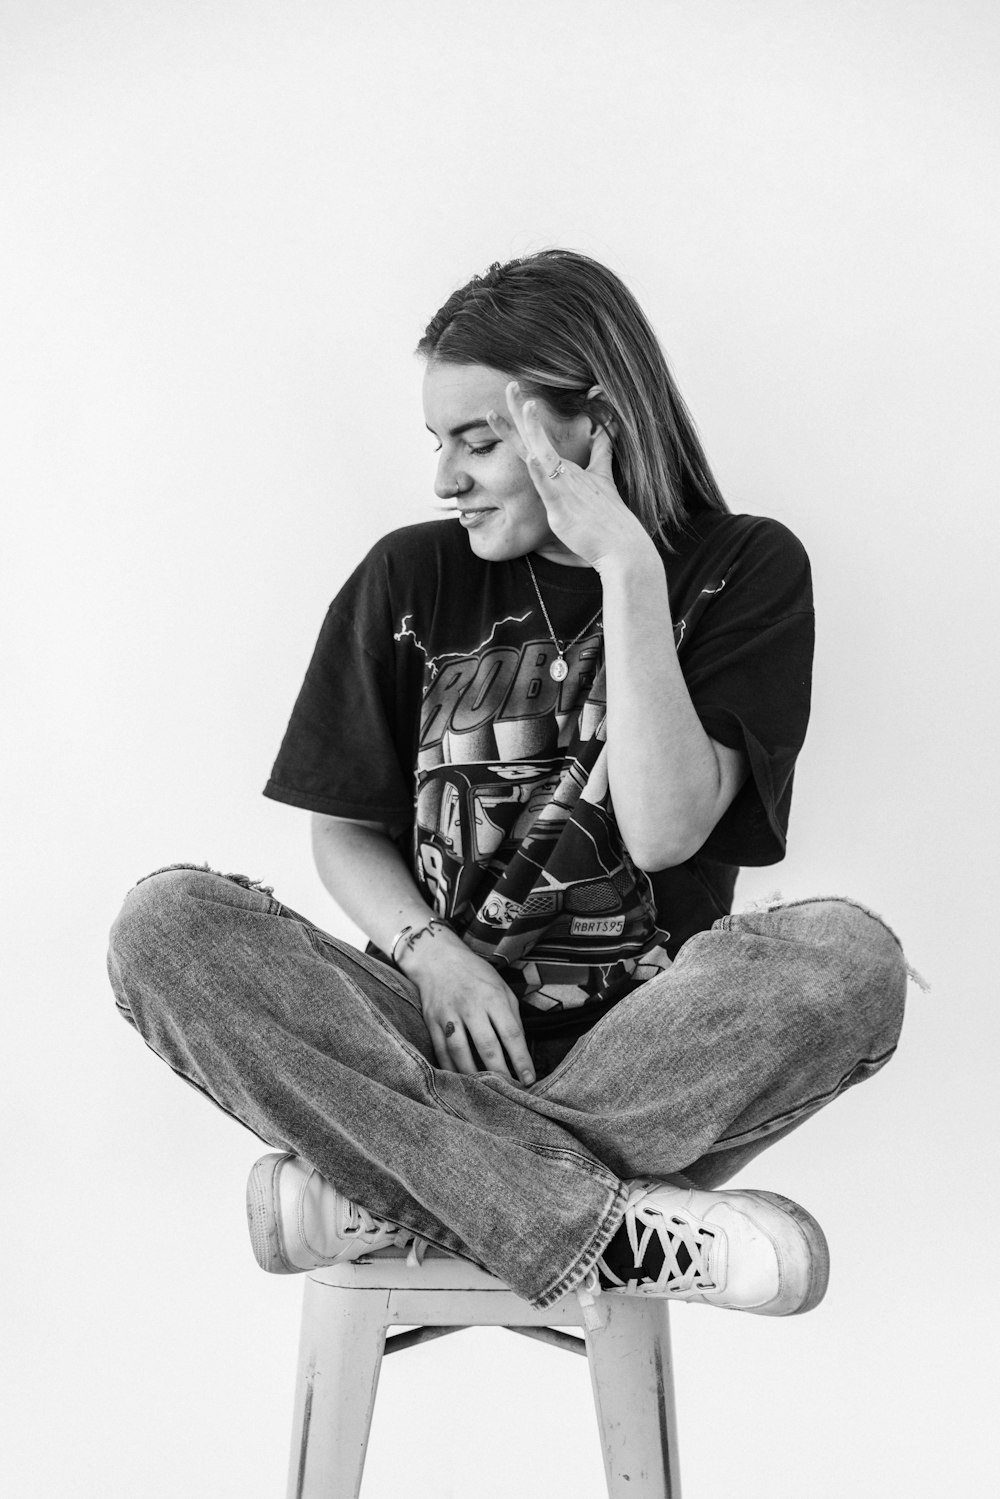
(558, 670)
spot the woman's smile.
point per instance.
(475, 517)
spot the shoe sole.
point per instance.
(262, 1215)
(817, 1248)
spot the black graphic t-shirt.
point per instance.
(429, 706)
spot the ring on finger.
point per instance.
(449, 1029)
(559, 469)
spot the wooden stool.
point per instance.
(345, 1317)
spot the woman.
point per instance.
(537, 744)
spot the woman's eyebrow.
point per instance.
(480, 421)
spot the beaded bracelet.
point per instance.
(409, 935)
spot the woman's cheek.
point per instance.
(510, 475)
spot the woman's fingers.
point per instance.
(529, 436)
(507, 432)
(491, 1057)
(495, 1038)
(511, 1032)
(457, 1048)
(534, 445)
(542, 456)
(472, 1017)
(601, 454)
(483, 1030)
(439, 1043)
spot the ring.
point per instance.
(449, 1029)
(559, 469)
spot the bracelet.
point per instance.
(409, 935)
(405, 932)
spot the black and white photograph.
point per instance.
(499, 508)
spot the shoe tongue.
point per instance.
(620, 1257)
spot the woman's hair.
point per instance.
(561, 323)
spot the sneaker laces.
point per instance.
(359, 1222)
(415, 1254)
(685, 1248)
(587, 1292)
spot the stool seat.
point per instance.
(348, 1311)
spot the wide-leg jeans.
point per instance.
(321, 1050)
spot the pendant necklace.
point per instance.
(558, 670)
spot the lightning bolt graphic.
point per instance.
(403, 632)
(680, 628)
(435, 662)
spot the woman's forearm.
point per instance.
(670, 782)
(367, 876)
(465, 1003)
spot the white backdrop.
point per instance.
(225, 223)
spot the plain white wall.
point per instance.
(224, 225)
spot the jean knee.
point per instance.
(154, 907)
(154, 928)
(866, 955)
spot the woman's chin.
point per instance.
(495, 548)
(497, 543)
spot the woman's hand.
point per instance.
(466, 1003)
(583, 505)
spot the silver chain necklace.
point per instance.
(558, 670)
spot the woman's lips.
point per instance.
(470, 518)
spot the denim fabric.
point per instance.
(322, 1050)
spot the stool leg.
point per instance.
(632, 1377)
(340, 1354)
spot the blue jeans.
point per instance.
(322, 1050)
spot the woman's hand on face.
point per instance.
(466, 1003)
(583, 505)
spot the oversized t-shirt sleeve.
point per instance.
(342, 752)
(748, 668)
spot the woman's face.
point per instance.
(498, 505)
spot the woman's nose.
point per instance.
(448, 481)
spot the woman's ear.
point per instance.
(600, 411)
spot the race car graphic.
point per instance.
(525, 863)
(469, 817)
(551, 922)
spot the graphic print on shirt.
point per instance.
(514, 838)
(513, 841)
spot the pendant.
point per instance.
(558, 670)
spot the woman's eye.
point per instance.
(487, 447)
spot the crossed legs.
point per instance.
(322, 1051)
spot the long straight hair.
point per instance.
(561, 323)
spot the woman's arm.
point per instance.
(670, 782)
(367, 876)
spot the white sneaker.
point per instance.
(298, 1221)
(746, 1251)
